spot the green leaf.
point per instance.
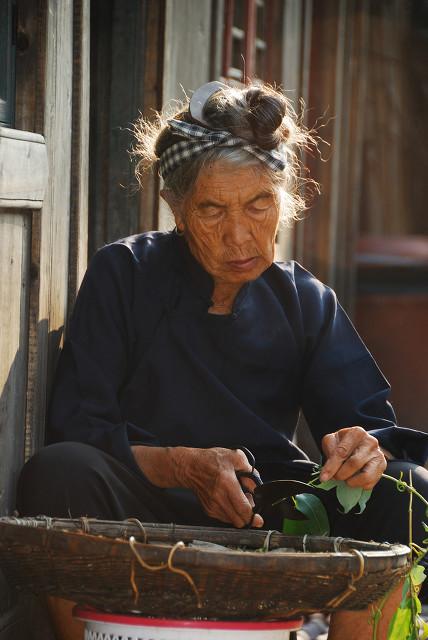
(327, 485)
(400, 625)
(423, 626)
(317, 519)
(417, 574)
(365, 495)
(296, 527)
(425, 526)
(417, 605)
(348, 496)
(316, 522)
(405, 592)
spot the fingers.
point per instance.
(230, 504)
(353, 455)
(338, 447)
(370, 474)
(248, 485)
(239, 460)
(212, 476)
(358, 459)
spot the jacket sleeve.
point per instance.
(96, 359)
(342, 385)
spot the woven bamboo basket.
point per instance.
(179, 572)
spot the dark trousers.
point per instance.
(71, 479)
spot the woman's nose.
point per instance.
(237, 231)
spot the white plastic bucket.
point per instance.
(105, 626)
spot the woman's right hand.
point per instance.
(211, 474)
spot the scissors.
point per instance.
(267, 496)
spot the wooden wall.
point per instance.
(332, 84)
(23, 179)
(42, 237)
(394, 185)
(126, 72)
(188, 60)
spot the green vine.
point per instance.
(406, 623)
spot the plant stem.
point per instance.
(413, 594)
(377, 615)
(401, 483)
(411, 511)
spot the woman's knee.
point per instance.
(60, 461)
(55, 471)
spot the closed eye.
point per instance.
(261, 202)
(210, 214)
(212, 211)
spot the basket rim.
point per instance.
(370, 550)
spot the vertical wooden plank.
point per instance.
(391, 138)
(338, 159)
(337, 87)
(320, 71)
(55, 219)
(182, 68)
(100, 96)
(218, 31)
(126, 102)
(229, 7)
(15, 232)
(30, 100)
(250, 37)
(354, 116)
(306, 51)
(125, 35)
(292, 37)
(291, 40)
(154, 27)
(78, 246)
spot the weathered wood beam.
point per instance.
(23, 169)
(15, 239)
(78, 246)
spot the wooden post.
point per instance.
(78, 247)
(182, 68)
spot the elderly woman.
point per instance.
(185, 346)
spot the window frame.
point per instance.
(251, 42)
(8, 35)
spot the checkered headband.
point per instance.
(200, 139)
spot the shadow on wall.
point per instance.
(23, 618)
(23, 399)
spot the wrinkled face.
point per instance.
(230, 221)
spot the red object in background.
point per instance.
(392, 318)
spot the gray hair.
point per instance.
(259, 114)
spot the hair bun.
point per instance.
(266, 112)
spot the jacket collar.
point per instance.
(199, 280)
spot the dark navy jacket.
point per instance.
(144, 362)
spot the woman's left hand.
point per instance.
(353, 455)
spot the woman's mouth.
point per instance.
(242, 265)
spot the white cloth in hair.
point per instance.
(199, 139)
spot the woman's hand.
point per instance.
(209, 473)
(352, 455)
